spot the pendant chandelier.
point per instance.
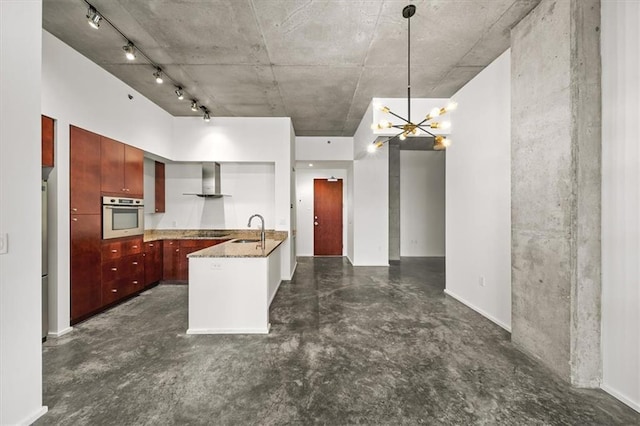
(407, 127)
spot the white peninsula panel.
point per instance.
(232, 295)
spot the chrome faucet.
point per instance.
(262, 236)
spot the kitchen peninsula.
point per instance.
(232, 285)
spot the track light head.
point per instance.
(158, 76)
(194, 105)
(129, 51)
(93, 17)
(205, 112)
(179, 93)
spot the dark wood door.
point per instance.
(327, 213)
(133, 171)
(84, 172)
(86, 294)
(112, 166)
(159, 191)
(47, 141)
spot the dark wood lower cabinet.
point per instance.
(86, 295)
(105, 272)
(152, 262)
(170, 259)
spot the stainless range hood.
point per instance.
(210, 181)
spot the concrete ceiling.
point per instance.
(319, 62)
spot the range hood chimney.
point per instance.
(210, 181)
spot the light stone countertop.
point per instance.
(231, 249)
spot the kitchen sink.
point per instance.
(246, 241)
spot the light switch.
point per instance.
(4, 243)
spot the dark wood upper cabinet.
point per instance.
(134, 171)
(121, 168)
(47, 141)
(84, 172)
(160, 197)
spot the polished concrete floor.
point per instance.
(347, 346)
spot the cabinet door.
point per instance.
(152, 262)
(112, 166)
(86, 294)
(47, 141)
(171, 257)
(159, 190)
(133, 171)
(84, 172)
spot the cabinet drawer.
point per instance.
(112, 291)
(133, 246)
(111, 250)
(115, 249)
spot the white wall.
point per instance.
(370, 202)
(316, 148)
(304, 190)
(20, 173)
(422, 208)
(478, 195)
(250, 186)
(621, 201)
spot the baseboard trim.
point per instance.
(620, 397)
(229, 330)
(34, 416)
(60, 333)
(293, 271)
(478, 310)
(349, 259)
(275, 292)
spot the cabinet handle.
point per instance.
(75, 219)
(74, 209)
(177, 250)
(134, 247)
(150, 245)
(114, 269)
(157, 209)
(135, 282)
(171, 243)
(135, 263)
(114, 251)
(114, 290)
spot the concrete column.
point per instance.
(394, 201)
(555, 187)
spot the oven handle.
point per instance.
(123, 207)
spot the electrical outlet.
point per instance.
(4, 243)
(481, 281)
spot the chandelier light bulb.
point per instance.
(402, 136)
(452, 106)
(445, 125)
(435, 112)
(129, 51)
(372, 148)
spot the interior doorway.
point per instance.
(327, 217)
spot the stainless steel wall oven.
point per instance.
(122, 217)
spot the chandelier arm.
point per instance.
(401, 118)
(426, 131)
